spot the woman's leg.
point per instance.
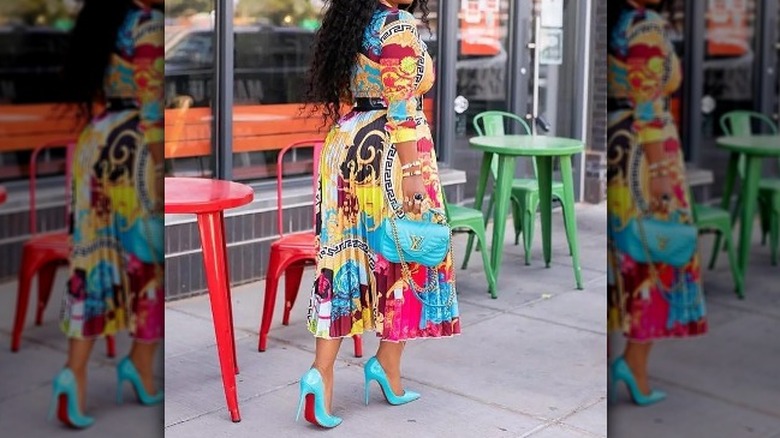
(636, 356)
(389, 356)
(325, 352)
(79, 351)
(142, 356)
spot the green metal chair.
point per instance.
(741, 123)
(525, 191)
(718, 220)
(471, 220)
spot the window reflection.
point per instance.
(33, 43)
(189, 60)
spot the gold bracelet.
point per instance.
(408, 166)
(659, 164)
(408, 174)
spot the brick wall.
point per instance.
(595, 165)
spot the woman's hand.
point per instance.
(414, 193)
(661, 191)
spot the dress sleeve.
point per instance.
(400, 55)
(149, 73)
(649, 65)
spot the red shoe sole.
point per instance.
(62, 410)
(308, 412)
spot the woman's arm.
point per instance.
(401, 51)
(648, 70)
(399, 59)
(148, 75)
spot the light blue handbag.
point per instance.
(409, 241)
(650, 240)
(424, 242)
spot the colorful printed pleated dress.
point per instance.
(355, 288)
(646, 301)
(117, 261)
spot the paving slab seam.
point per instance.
(536, 429)
(31, 388)
(487, 403)
(738, 308)
(519, 306)
(560, 324)
(573, 428)
(583, 407)
(561, 421)
(518, 260)
(99, 360)
(717, 397)
(568, 266)
(209, 345)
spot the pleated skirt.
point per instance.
(355, 288)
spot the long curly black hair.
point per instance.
(92, 42)
(618, 6)
(337, 45)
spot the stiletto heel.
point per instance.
(620, 371)
(64, 401)
(126, 371)
(612, 390)
(313, 393)
(373, 371)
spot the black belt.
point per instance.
(121, 104)
(376, 104)
(616, 104)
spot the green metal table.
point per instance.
(543, 149)
(754, 148)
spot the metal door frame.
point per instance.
(523, 69)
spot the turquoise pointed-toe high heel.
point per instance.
(126, 371)
(373, 371)
(65, 401)
(313, 392)
(620, 371)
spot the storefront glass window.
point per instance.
(33, 43)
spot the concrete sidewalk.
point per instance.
(26, 378)
(726, 383)
(530, 363)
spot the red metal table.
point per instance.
(208, 199)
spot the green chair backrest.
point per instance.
(493, 123)
(692, 204)
(740, 123)
(446, 207)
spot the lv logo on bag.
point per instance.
(416, 242)
(662, 242)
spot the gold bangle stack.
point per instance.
(407, 166)
(661, 168)
(411, 169)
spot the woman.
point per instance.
(116, 266)
(377, 162)
(651, 296)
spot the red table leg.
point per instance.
(215, 263)
(229, 296)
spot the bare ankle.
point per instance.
(326, 371)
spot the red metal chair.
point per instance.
(291, 252)
(44, 253)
